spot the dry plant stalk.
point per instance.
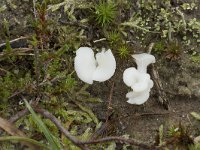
(12, 130)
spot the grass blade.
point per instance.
(54, 144)
(24, 139)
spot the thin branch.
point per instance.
(17, 93)
(48, 115)
(82, 144)
(76, 24)
(34, 9)
(15, 50)
(110, 96)
(16, 117)
(14, 40)
(99, 40)
(121, 140)
(168, 142)
(103, 130)
(132, 142)
(19, 115)
(108, 125)
(162, 98)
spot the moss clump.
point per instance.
(195, 58)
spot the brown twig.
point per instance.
(34, 9)
(82, 144)
(133, 142)
(17, 52)
(121, 140)
(110, 102)
(162, 98)
(103, 130)
(108, 124)
(48, 115)
(19, 92)
(77, 24)
(168, 142)
(19, 115)
(14, 40)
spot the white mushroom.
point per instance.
(139, 98)
(143, 60)
(106, 66)
(85, 64)
(138, 79)
(140, 84)
(89, 69)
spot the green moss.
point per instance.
(123, 51)
(196, 58)
(105, 12)
(113, 37)
(120, 22)
(159, 47)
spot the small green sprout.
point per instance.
(105, 13)
(173, 50)
(113, 37)
(123, 51)
(159, 47)
(181, 133)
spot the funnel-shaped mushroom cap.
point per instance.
(139, 98)
(136, 80)
(85, 64)
(106, 66)
(143, 60)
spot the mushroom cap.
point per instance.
(106, 66)
(143, 60)
(136, 80)
(128, 76)
(140, 84)
(85, 64)
(138, 98)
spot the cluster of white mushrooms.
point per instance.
(138, 79)
(102, 67)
